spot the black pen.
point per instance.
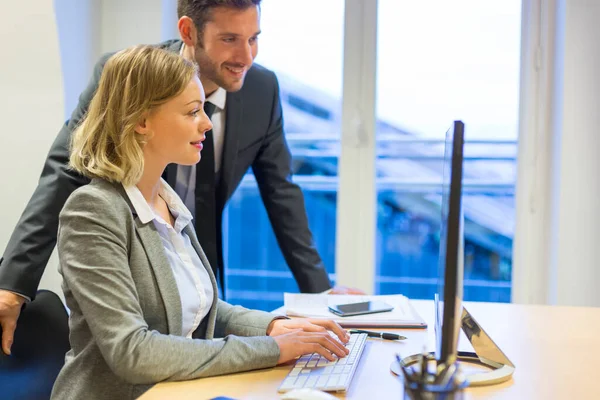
(382, 335)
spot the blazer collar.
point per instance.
(167, 286)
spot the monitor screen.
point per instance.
(448, 300)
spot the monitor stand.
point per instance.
(487, 353)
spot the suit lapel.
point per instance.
(233, 117)
(165, 280)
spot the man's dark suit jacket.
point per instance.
(253, 138)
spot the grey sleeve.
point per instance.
(237, 320)
(92, 243)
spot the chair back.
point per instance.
(38, 351)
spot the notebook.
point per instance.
(316, 306)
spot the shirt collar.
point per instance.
(219, 96)
(146, 213)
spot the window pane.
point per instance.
(304, 48)
(439, 61)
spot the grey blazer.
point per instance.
(125, 321)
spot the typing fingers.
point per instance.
(334, 327)
(317, 348)
(309, 326)
(299, 342)
(329, 343)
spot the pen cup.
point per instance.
(446, 382)
(418, 391)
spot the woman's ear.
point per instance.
(143, 127)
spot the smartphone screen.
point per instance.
(367, 307)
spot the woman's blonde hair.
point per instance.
(133, 82)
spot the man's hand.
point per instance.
(283, 326)
(346, 290)
(10, 308)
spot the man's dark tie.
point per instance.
(206, 210)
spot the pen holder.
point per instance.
(443, 382)
(430, 391)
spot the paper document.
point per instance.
(316, 306)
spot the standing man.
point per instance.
(244, 106)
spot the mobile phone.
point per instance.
(367, 307)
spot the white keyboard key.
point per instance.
(312, 381)
(334, 381)
(344, 380)
(323, 362)
(288, 383)
(322, 382)
(313, 370)
(301, 381)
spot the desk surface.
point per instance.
(554, 349)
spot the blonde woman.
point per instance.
(143, 298)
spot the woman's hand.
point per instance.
(299, 342)
(283, 326)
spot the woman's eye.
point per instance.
(195, 113)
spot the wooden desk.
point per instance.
(555, 351)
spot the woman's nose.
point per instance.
(206, 125)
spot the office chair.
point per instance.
(38, 351)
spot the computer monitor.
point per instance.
(448, 300)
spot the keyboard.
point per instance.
(315, 371)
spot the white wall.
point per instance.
(557, 234)
(578, 227)
(538, 137)
(131, 22)
(78, 24)
(31, 106)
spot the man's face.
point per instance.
(227, 47)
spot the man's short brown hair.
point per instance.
(200, 10)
